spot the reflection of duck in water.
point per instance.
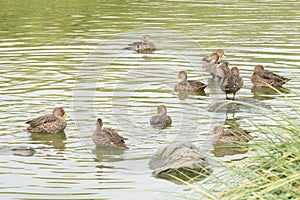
(262, 77)
(225, 137)
(161, 119)
(264, 93)
(107, 137)
(56, 140)
(53, 123)
(146, 44)
(232, 82)
(108, 154)
(188, 85)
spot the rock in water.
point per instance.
(180, 159)
(17, 150)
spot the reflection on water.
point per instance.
(267, 93)
(108, 154)
(70, 54)
(221, 151)
(56, 140)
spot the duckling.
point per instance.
(232, 82)
(53, 123)
(162, 119)
(146, 44)
(223, 137)
(107, 137)
(188, 85)
(262, 77)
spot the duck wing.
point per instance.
(41, 120)
(231, 84)
(197, 84)
(272, 76)
(115, 137)
(160, 120)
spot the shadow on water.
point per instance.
(268, 93)
(56, 140)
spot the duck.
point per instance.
(146, 44)
(221, 70)
(161, 119)
(188, 85)
(53, 123)
(225, 137)
(262, 77)
(107, 137)
(221, 54)
(212, 63)
(232, 82)
(209, 63)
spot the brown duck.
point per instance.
(107, 137)
(232, 82)
(161, 119)
(210, 63)
(223, 137)
(146, 44)
(53, 123)
(262, 77)
(188, 85)
(222, 70)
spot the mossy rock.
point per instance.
(181, 159)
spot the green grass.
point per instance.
(271, 170)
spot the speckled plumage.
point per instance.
(53, 123)
(223, 137)
(232, 82)
(262, 77)
(107, 137)
(161, 119)
(188, 85)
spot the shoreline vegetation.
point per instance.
(271, 170)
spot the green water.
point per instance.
(70, 54)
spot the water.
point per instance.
(70, 54)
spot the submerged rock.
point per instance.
(17, 150)
(180, 159)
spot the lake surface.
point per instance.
(70, 54)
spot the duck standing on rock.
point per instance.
(161, 119)
(232, 82)
(53, 123)
(146, 44)
(107, 137)
(262, 77)
(188, 85)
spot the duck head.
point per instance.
(182, 76)
(59, 112)
(162, 110)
